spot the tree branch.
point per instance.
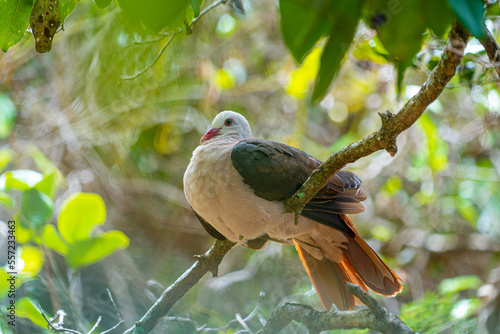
(492, 50)
(376, 317)
(392, 125)
(208, 262)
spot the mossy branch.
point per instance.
(375, 317)
(392, 124)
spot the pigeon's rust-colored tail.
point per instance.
(360, 265)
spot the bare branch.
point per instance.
(207, 262)
(492, 49)
(392, 125)
(376, 317)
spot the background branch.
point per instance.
(492, 50)
(376, 317)
(392, 125)
(208, 262)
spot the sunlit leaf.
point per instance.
(36, 207)
(79, 215)
(47, 185)
(300, 78)
(392, 185)
(20, 179)
(223, 79)
(66, 7)
(14, 21)
(52, 239)
(28, 308)
(33, 260)
(90, 251)
(467, 210)
(470, 13)
(5, 200)
(459, 283)
(44, 164)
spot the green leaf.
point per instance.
(79, 215)
(66, 7)
(346, 16)
(14, 21)
(5, 157)
(8, 115)
(52, 239)
(21, 179)
(33, 260)
(195, 6)
(401, 39)
(439, 16)
(47, 185)
(303, 23)
(102, 3)
(36, 207)
(5, 200)
(43, 163)
(155, 15)
(471, 14)
(25, 308)
(90, 251)
(459, 283)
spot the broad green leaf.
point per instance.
(44, 21)
(20, 179)
(44, 164)
(345, 19)
(155, 15)
(195, 6)
(36, 208)
(52, 239)
(90, 251)
(25, 308)
(5, 157)
(303, 23)
(79, 215)
(401, 39)
(459, 283)
(439, 16)
(300, 78)
(47, 185)
(33, 260)
(14, 21)
(66, 7)
(8, 114)
(5, 200)
(470, 13)
(102, 3)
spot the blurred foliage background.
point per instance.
(433, 211)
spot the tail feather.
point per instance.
(329, 280)
(359, 265)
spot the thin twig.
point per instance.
(135, 76)
(95, 325)
(492, 50)
(121, 321)
(50, 326)
(206, 10)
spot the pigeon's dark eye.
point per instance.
(228, 122)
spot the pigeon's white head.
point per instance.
(228, 123)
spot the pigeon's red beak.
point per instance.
(210, 133)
